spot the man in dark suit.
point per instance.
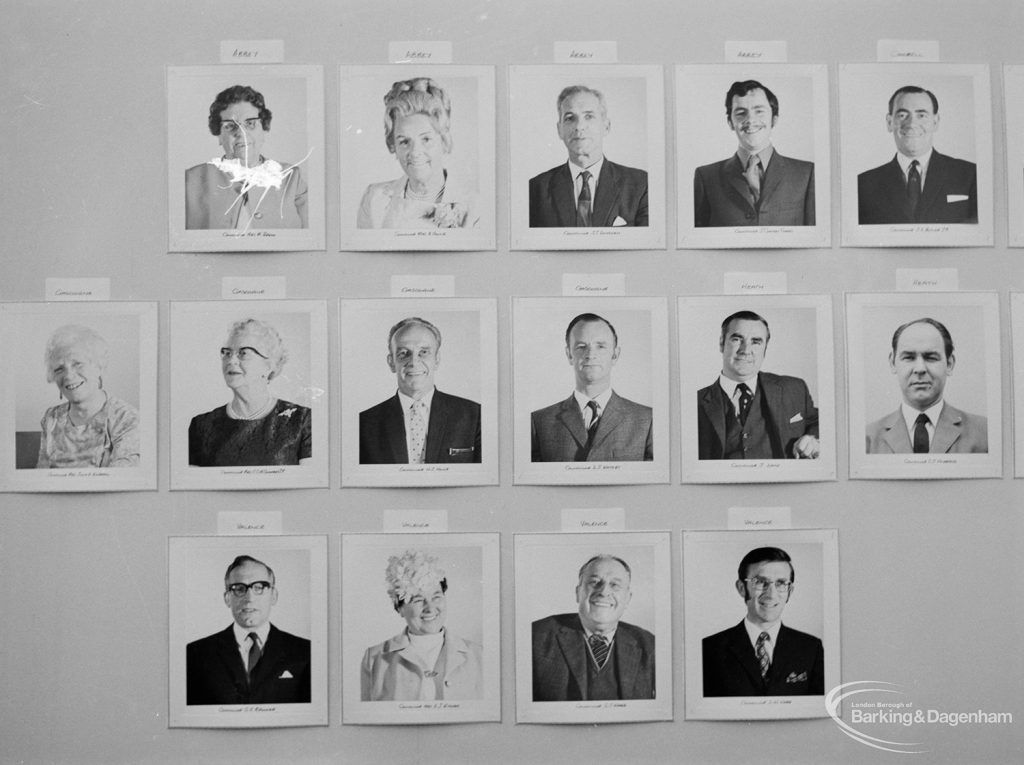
(419, 424)
(594, 424)
(591, 655)
(252, 661)
(590, 190)
(761, 656)
(750, 414)
(922, 358)
(919, 185)
(756, 186)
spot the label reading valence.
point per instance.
(753, 518)
(594, 519)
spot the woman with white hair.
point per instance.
(92, 428)
(417, 130)
(255, 427)
(426, 661)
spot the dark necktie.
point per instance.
(913, 188)
(921, 434)
(583, 205)
(594, 415)
(600, 648)
(745, 398)
(753, 175)
(762, 653)
(254, 653)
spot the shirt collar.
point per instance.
(242, 634)
(729, 385)
(910, 414)
(407, 401)
(765, 156)
(922, 162)
(594, 169)
(754, 631)
(609, 636)
(601, 399)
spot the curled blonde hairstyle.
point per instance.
(74, 338)
(420, 95)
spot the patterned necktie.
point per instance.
(913, 188)
(745, 398)
(254, 653)
(599, 648)
(762, 653)
(753, 176)
(921, 434)
(417, 432)
(594, 415)
(583, 205)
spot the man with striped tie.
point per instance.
(761, 656)
(252, 661)
(592, 655)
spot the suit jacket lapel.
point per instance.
(896, 435)
(896, 182)
(569, 416)
(437, 425)
(772, 398)
(711, 403)
(394, 426)
(773, 176)
(607, 194)
(563, 196)
(934, 183)
(609, 420)
(571, 641)
(267, 666)
(227, 651)
(947, 430)
(627, 657)
(740, 648)
(733, 177)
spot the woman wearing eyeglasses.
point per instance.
(243, 189)
(255, 427)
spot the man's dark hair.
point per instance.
(743, 88)
(914, 89)
(233, 95)
(947, 339)
(602, 556)
(763, 555)
(241, 560)
(588, 317)
(743, 316)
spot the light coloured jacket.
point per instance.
(391, 673)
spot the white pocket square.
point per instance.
(956, 198)
(619, 221)
(286, 675)
(798, 417)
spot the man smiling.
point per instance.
(419, 424)
(756, 186)
(252, 661)
(591, 655)
(919, 185)
(922, 359)
(594, 423)
(761, 656)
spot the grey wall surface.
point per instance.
(929, 570)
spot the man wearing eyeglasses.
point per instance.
(252, 661)
(761, 656)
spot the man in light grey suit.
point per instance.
(756, 186)
(922, 358)
(594, 424)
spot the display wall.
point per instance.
(929, 588)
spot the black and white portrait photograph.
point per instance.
(587, 162)
(248, 631)
(248, 394)
(593, 627)
(245, 158)
(924, 385)
(420, 628)
(419, 393)
(916, 158)
(756, 386)
(761, 623)
(590, 390)
(82, 395)
(1017, 331)
(752, 155)
(1013, 103)
(417, 148)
